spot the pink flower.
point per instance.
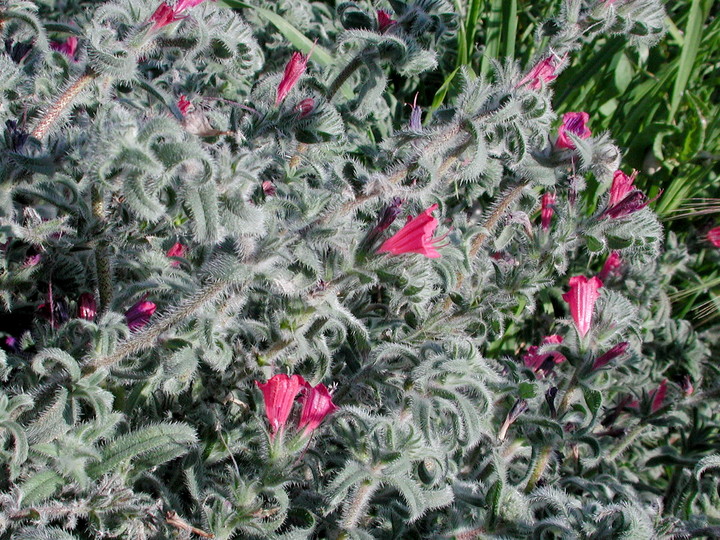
(544, 361)
(384, 20)
(279, 393)
(581, 297)
(713, 236)
(139, 314)
(177, 250)
(575, 123)
(87, 307)
(415, 236)
(542, 72)
(547, 209)
(609, 356)
(293, 71)
(316, 405)
(305, 107)
(659, 396)
(612, 263)
(184, 104)
(268, 188)
(622, 184)
(166, 14)
(67, 47)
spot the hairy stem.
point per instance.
(495, 216)
(627, 441)
(356, 508)
(146, 338)
(102, 257)
(62, 103)
(539, 468)
(349, 69)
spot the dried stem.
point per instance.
(62, 103)
(171, 518)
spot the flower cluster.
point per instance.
(280, 392)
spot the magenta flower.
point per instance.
(384, 20)
(293, 71)
(713, 236)
(279, 393)
(605, 359)
(547, 204)
(67, 47)
(305, 107)
(541, 73)
(635, 200)
(612, 263)
(575, 123)
(139, 314)
(87, 307)
(32, 260)
(184, 104)
(659, 396)
(177, 250)
(415, 237)
(622, 184)
(543, 362)
(316, 405)
(581, 297)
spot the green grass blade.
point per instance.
(471, 23)
(691, 44)
(509, 27)
(493, 35)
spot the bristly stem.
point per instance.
(495, 216)
(57, 108)
(146, 337)
(348, 70)
(102, 257)
(356, 508)
(620, 448)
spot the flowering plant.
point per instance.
(197, 218)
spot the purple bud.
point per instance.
(15, 136)
(139, 314)
(415, 116)
(633, 201)
(613, 353)
(389, 215)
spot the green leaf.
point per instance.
(40, 486)
(159, 441)
(527, 390)
(593, 244)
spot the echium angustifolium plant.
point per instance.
(216, 323)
